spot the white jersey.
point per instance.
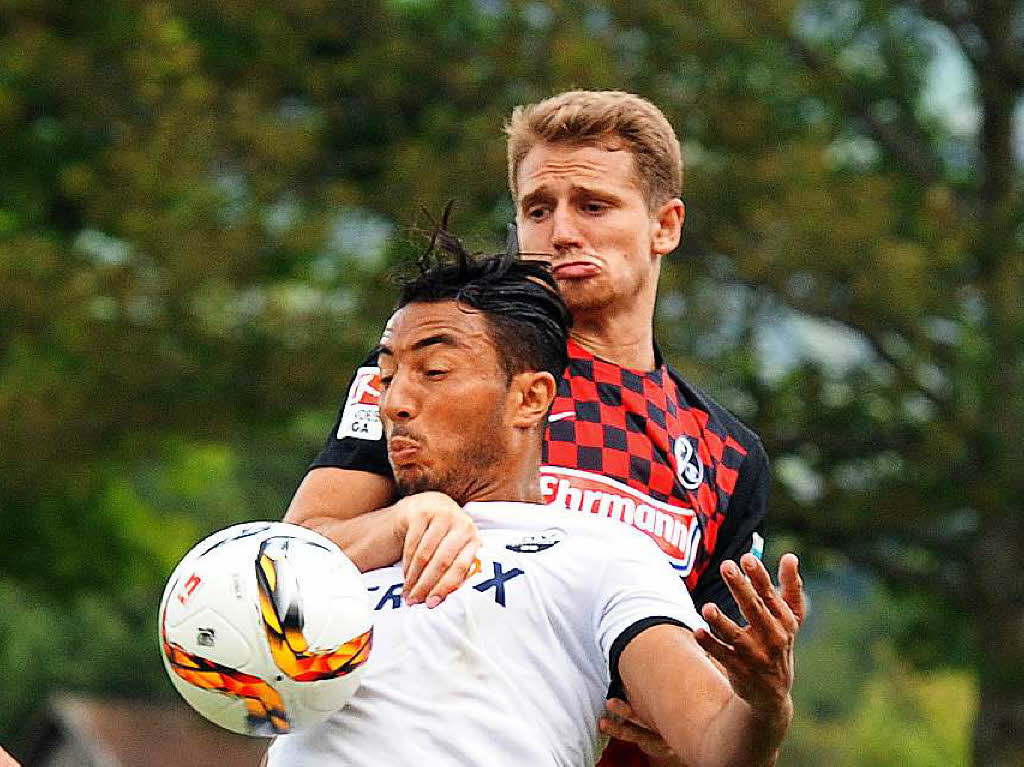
(513, 668)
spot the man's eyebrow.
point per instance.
(587, 190)
(440, 339)
(538, 195)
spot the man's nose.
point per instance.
(565, 231)
(398, 403)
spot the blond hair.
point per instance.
(593, 117)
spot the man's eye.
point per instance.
(595, 207)
(385, 381)
(536, 213)
(436, 373)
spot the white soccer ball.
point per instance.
(265, 627)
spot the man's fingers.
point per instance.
(454, 575)
(621, 723)
(417, 525)
(746, 597)
(762, 583)
(421, 556)
(792, 586)
(6, 760)
(440, 560)
(623, 710)
(722, 626)
(649, 742)
(723, 654)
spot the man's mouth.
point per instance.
(574, 270)
(402, 449)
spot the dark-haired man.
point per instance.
(596, 178)
(512, 669)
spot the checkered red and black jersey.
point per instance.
(645, 448)
(642, 447)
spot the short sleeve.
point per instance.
(356, 441)
(639, 589)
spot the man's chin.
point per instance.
(411, 483)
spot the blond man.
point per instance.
(596, 178)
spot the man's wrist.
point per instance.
(773, 719)
(399, 521)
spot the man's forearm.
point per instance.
(740, 736)
(350, 508)
(675, 688)
(370, 540)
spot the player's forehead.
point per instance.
(552, 168)
(446, 324)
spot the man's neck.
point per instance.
(627, 341)
(515, 479)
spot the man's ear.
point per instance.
(667, 227)
(533, 393)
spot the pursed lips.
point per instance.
(574, 269)
(402, 449)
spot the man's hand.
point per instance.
(440, 542)
(622, 722)
(758, 658)
(6, 760)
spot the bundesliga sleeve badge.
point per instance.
(361, 417)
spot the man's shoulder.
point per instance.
(529, 528)
(722, 420)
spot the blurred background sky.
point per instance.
(201, 202)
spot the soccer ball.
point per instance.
(265, 627)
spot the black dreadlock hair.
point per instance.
(529, 321)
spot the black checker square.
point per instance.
(636, 422)
(589, 412)
(562, 431)
(656, 414)
(639, 469)
(590, 458)
(615, 438)
(632, 381)
(581, 367)
(609, 394)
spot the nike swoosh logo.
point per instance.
(561, 416)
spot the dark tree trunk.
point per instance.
(999, 727)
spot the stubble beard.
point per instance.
(472, 469)
(585, 297)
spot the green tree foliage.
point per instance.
(859, 703)
(199, 202)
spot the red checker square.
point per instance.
(562, 453)
(726, 478)
(613, 415)
(711, 444)
(688, 425)
(707, 498)
(606, 372)
(662, 479)
(633, 402)
(589, 434)
(734, 445)
(616, 463)
(639, 445)
(700, 416)
(655, 394)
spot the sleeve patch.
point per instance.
(757, 545)
(361, 416)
